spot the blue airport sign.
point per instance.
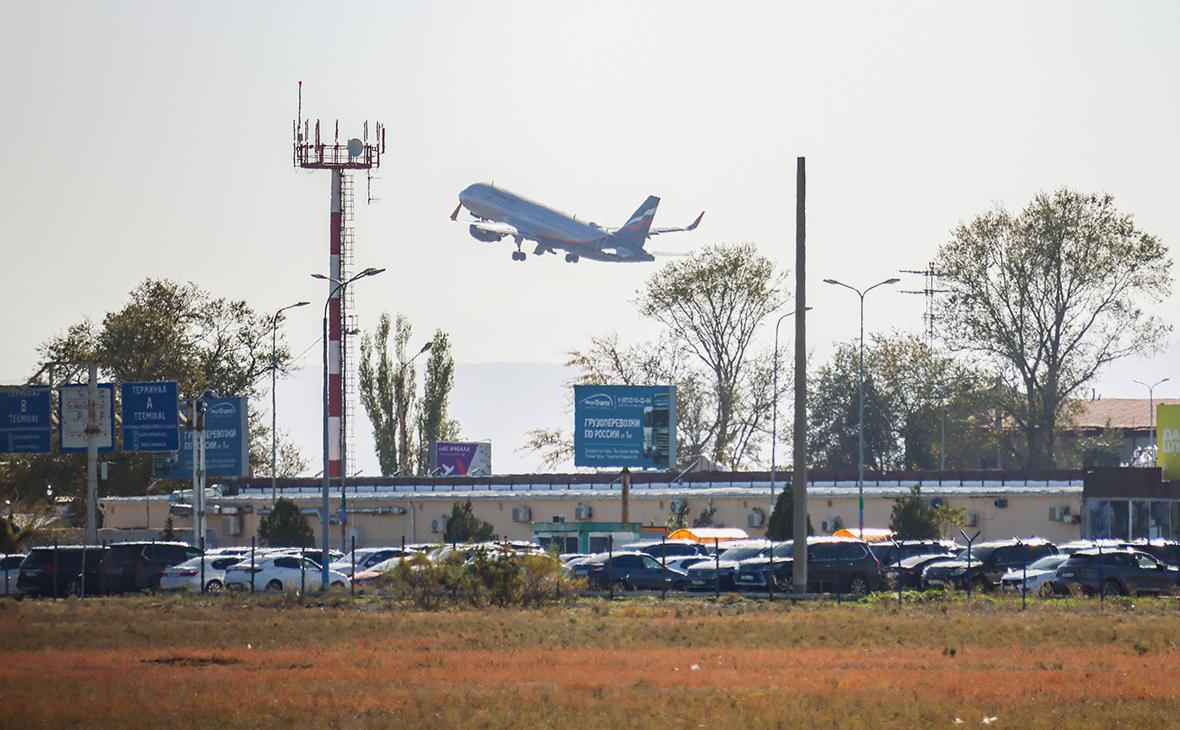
(625, 425)
(150, 418)
(227, 441)
(25, 425)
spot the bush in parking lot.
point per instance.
(489, 577)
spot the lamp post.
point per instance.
(860, 449)
(774, 405)
(325, 519)
(274, 366)
(1151, 411)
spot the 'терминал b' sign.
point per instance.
(625, 425)
(150, 417)
(24, 421)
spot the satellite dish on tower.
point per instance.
(355, 147)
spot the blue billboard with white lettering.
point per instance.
(227, 441)
(625, 425)
(150, 418)
(25, 426)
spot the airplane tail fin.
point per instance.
(633, 233)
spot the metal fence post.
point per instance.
(716, 569)
(55, 567)
(252, 543)
(839, 588)
(770, 573)
(82, 574)
(303, 576)
(897, 550)
(1101, 578)
(102, 574)
(1024, 580)
(352, 580)
(970, 541)
(202, 569)
(664, 566)
(610, 568)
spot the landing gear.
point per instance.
(571, 258)
(518, 255)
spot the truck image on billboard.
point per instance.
(625, 425)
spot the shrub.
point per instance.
(490, 577)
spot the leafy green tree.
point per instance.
(434, 424)
(705, 518)
(781, 525)
(464, 526)
(913, 518)
(678, 518)
(950, 518)
(1050, 295)
(285, 526)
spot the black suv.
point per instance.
(58, 571)
(889, 552)
(1165, 551)
(130, 567)
(834, 564)
(670, 549)
(988, 563)
(1116, 572)
(629, 571)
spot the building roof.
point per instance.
(1119, 412)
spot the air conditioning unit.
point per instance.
(678, 505)
(756, 518)
(522, 514)
(231, 525)
(1057, 514)
(439, 524)
(1001, 503)
(825, 526)
(1071, 519)
(973, 519)
(583, 512)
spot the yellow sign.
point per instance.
(1167, 443)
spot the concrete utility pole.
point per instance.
(92, 455)
(799, 473)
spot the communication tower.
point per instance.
(312, 151)
(928, 290)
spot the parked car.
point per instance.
(366, 558)
(834, 564)
(1073, 546)
(720, 570)
(280, 573)
(985, 564)
(668, 549)
(1116, 572)
(1037, 579)
(889, 552)
(909, 571)
(187, 575)
(61, 571)
(685, 561)
(629, 571)
(10, 565)
(129, 567)
(1165, 551)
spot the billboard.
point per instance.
(73, 406)
(1167, 444)
(461, 458)
(150, 419)
(25, 426)
(625, 425)
(227, 442)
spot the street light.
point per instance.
(774, 406)
(274, 366)
(1151, 411)
(324, 517)
(860, 449)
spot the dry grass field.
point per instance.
(268, 661)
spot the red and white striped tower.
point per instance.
(312, 153)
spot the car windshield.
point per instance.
(1049, 562)
(784, 550)
(741, 553)
(978, 555)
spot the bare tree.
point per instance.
(1052, 294)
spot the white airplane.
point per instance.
(499, 213)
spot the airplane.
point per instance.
(499, 213)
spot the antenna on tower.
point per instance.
(929, 291)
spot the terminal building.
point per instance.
(581, 511)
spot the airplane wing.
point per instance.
(690, 227)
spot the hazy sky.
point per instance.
(153, 139)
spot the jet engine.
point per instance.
(480, 234)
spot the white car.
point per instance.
(366, 558)
(278, 573)
(1040, 575)
(9, 573)
(187, 575)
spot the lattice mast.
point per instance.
(311, 152)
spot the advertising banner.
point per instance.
(461, 458)
(1167, 430)
(227, 442)
(25, 427)
(625, 425)
(73, 410)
